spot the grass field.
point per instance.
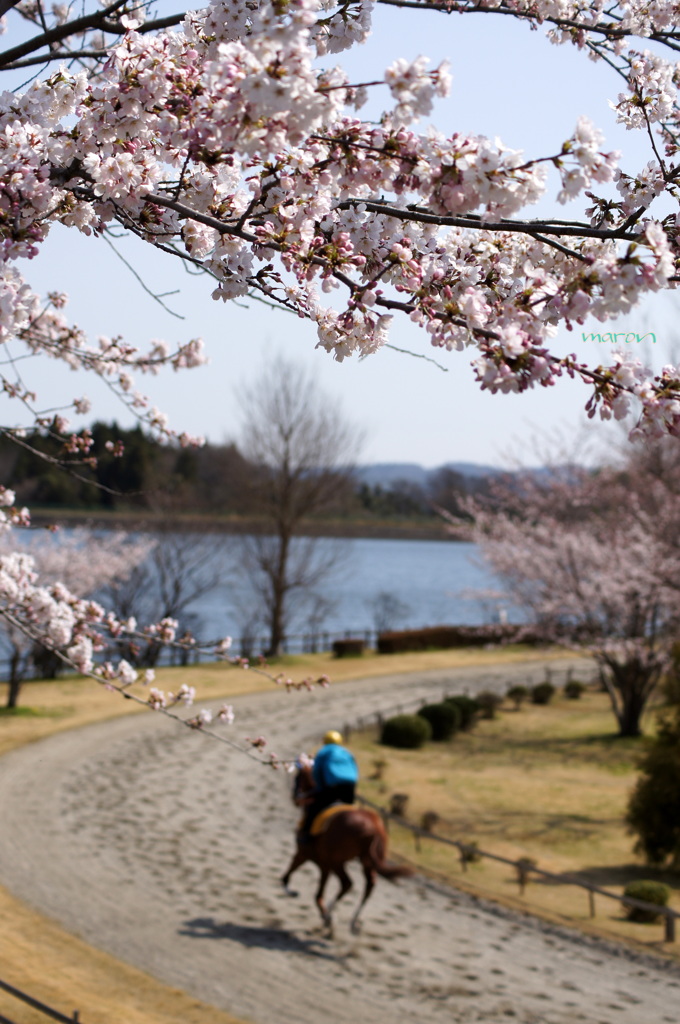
(59, 969)
(549, 783)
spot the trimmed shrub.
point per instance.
(350, 647)
(395, 641)
(573, 689)
(542, 693)
(518, 694)
(468, 708)
(489, 703)
(649, 891)
(406, 732)
(444, 719)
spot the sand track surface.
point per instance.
(165, 849)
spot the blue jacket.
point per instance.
(334, 764)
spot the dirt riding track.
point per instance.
(165, 849)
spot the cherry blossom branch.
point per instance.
(59, 32)
(671, 39)
(121, 678)
(474, 221)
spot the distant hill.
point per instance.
(470, 469)
(386, 474)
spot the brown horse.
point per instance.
(355, 833)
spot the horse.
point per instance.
(354, 833)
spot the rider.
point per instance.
(335, 776)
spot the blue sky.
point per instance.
(507, 81)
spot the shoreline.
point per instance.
(143, 521)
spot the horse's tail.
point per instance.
(376, 858)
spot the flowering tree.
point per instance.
(75, 561)
(216, 137)
(596, 569)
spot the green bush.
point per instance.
(406, 731)
(653, 812)
(573, 689)
(542, 693)
(468, 707)
(444, 719)
(489, 703)
(518, 694)
(651, 892)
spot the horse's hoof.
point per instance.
(289, 892)
(355, 927)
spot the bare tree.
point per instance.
(303, 450)
(387, 610)
(181, 568)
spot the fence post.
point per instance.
(669, 930)
(523, 866)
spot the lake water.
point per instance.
(375, 584)
(422, 583)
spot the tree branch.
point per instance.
(98, 20)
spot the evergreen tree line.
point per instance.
(214, 479)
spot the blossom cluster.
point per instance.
(224, 139)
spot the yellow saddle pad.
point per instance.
(320, 823)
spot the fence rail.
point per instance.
(245, 646)
(49, 1011)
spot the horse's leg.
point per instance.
(298, 859)
(325, 914)
(369, 875)
(345, 886)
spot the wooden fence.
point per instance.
(37, 1005)
(524, 868)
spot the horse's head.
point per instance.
(303, 784)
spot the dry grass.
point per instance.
(549, 783)
(39, 957)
